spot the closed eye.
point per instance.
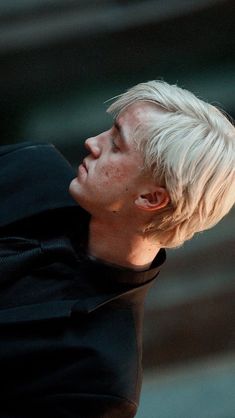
(115, 147)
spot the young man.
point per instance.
(75, 270)
(165, 170)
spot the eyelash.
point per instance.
(115, 148)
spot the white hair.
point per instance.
(190, 150)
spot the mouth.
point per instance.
(84, 165)
(82, 168)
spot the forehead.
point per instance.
(137, 113)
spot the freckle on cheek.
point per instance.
(113, 173)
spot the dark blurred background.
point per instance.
(60, 61)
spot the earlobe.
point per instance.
(156, 200)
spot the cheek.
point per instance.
(114, 174)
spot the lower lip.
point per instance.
(82, 169)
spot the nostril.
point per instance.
(95, 150)
(92, 146)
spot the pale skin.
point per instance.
(111, 186)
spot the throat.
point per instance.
(121, 246)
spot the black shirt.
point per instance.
(70, 327)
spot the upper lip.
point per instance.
(84, 164)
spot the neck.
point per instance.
(120, 245)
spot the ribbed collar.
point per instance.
(108, 271)
(117, 274)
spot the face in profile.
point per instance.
(111, 177)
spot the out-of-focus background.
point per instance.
(60, 60)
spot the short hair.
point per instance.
(190, 150)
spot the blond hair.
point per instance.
(191, 151)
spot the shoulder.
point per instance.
(35, 177)
(9, 148)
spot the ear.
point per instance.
(153, 201)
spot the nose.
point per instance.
(91, 144)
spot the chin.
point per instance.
(74, 189)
